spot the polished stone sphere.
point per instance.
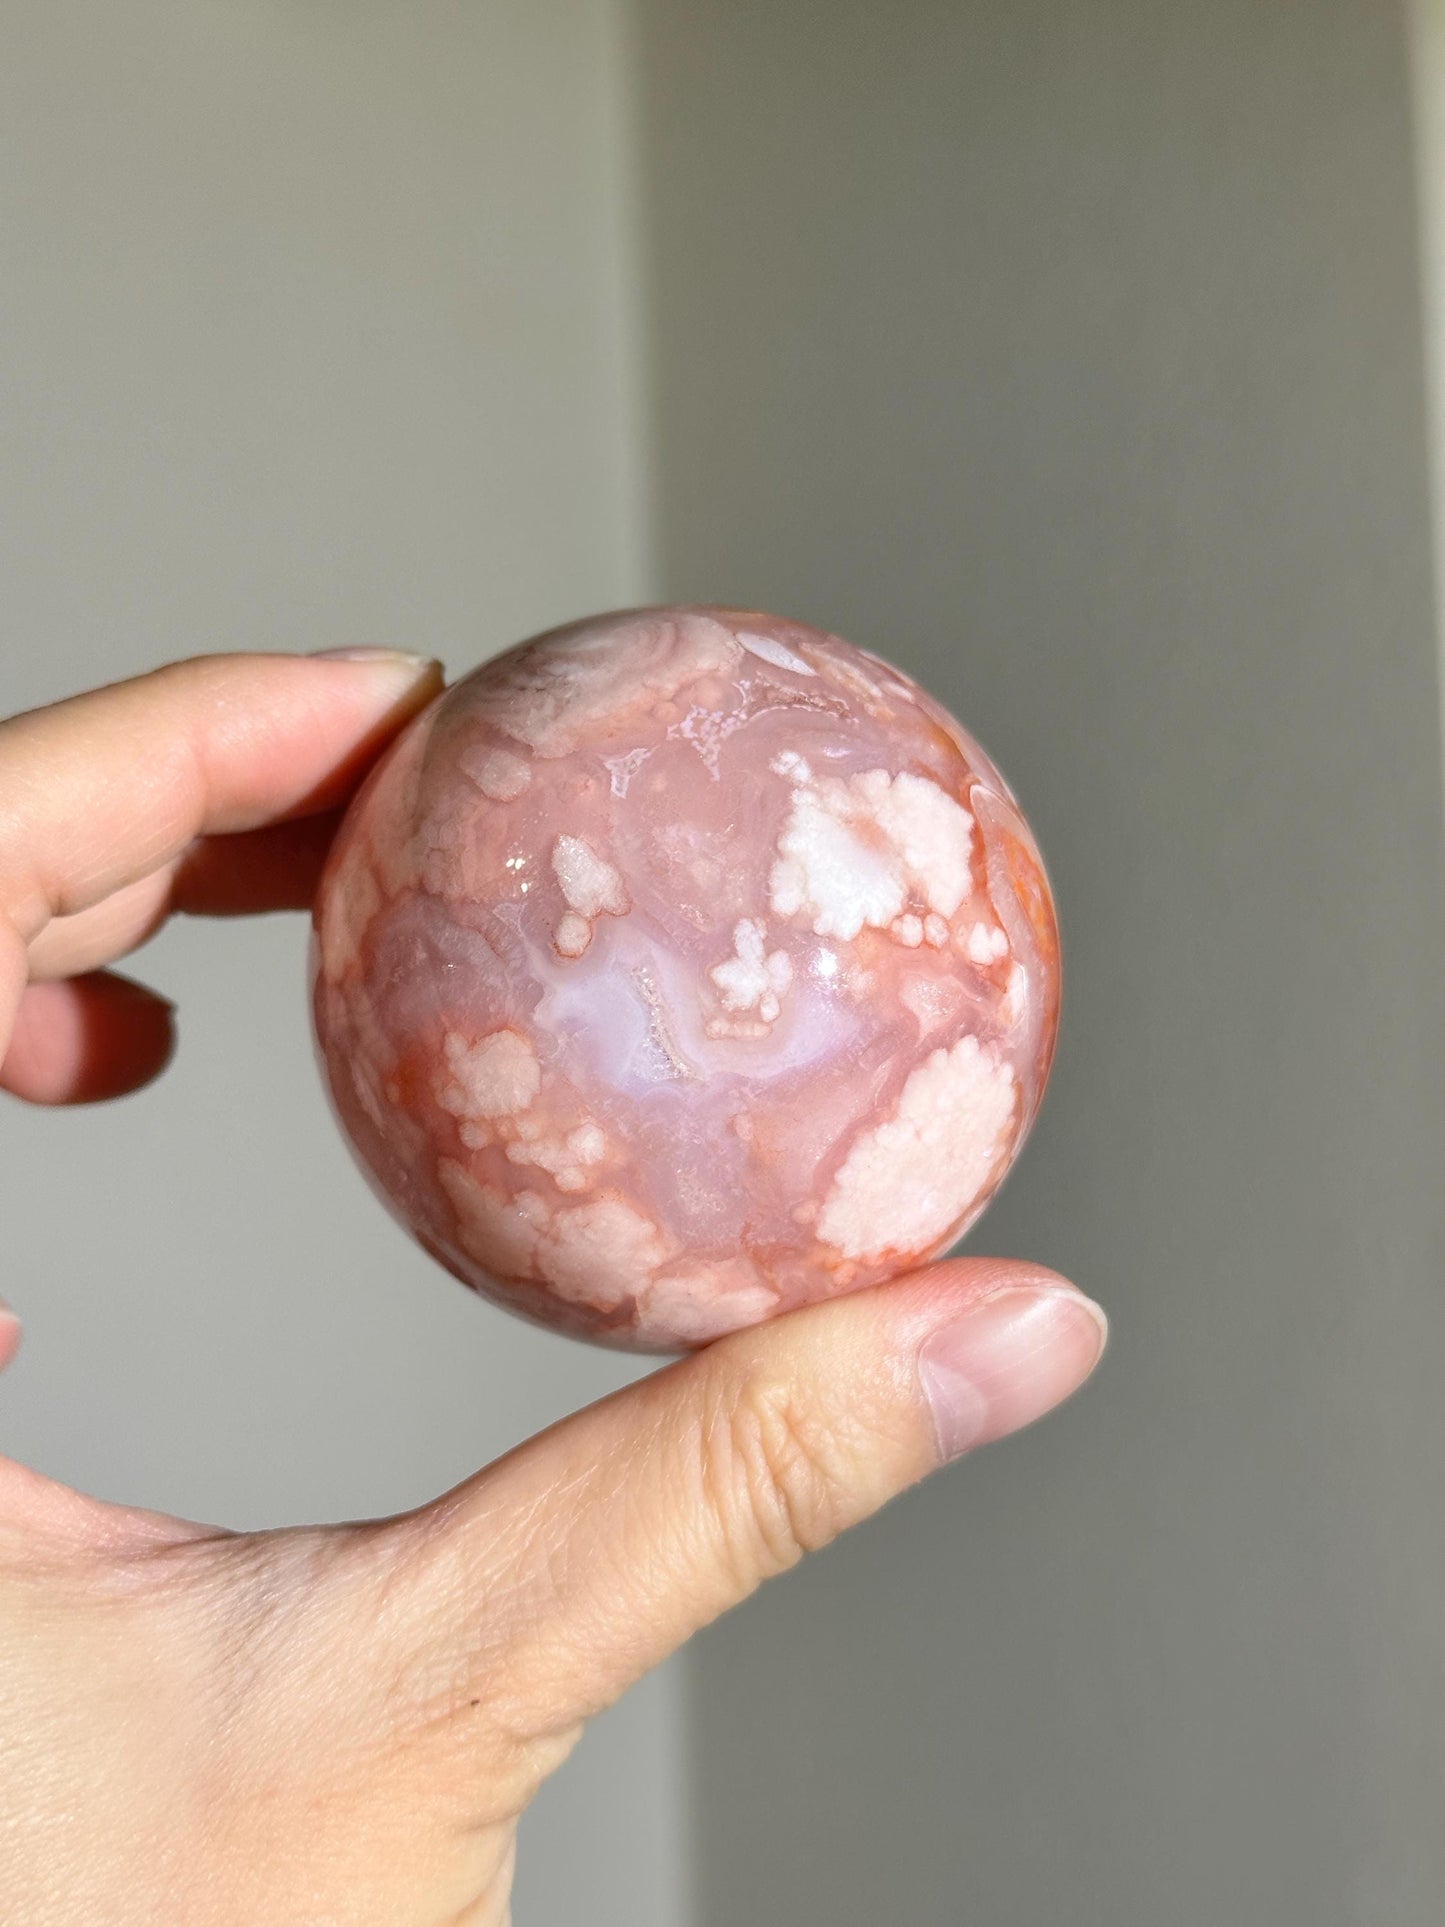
(682, 966)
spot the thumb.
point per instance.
(547, 1584)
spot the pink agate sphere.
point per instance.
(682, 966)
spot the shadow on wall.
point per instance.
(1072, 357)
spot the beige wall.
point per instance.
(313, 328)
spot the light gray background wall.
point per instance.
(1073, 355)
(313, 328)
(1426, 24)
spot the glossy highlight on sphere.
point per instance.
(682, 966)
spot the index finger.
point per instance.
(104, 789)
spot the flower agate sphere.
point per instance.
(682, 966)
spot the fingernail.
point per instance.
(1006, 1361)
(369, 652)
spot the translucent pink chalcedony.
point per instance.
(682, 966)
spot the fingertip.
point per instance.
(366, 698)
(81, 1040)
(1006, 1357)
(391, 677)
(10, 1332)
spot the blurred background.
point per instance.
(1076, 353)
